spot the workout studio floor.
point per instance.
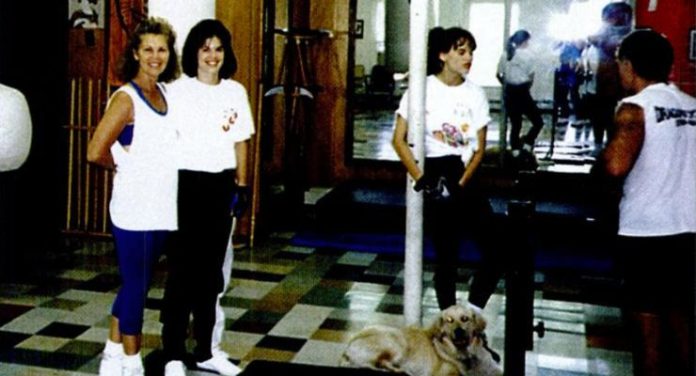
(289, 304)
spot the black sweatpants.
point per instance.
(465, 214)
(195, 260)
(518, 102)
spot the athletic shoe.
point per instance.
(175, 368)
(111, 360)
(133, 366)
(219, 352)
(220, 364)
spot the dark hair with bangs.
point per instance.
(441, 40)
(196, 39)
(154, 25)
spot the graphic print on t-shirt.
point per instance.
(456, 136)
(230, 117)
(450, 135)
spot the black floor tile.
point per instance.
(63, 330)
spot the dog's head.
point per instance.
(460, 326)
(459, 336)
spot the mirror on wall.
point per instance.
(380, 74)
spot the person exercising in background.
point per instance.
(516, 73)
(617, 20)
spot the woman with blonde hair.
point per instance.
(135, 137)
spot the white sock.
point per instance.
(113, 348)
(132, 361)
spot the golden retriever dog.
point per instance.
(455, 344)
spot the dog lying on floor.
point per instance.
(455, 344)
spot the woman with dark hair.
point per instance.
(516, 73)
(212, 116)
(136, 138)
(457, 116)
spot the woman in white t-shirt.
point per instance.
(516, 73)
(212, 116)
(457, 116)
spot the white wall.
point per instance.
(182, 15)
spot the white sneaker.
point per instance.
(220, 364)
(133, 366)
(219, 352)
(111, 363)
(175, 368)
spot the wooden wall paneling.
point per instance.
(330, 60)
(331, 125)
(86, 49)
(124, 15)
(275, 147)
(244, 19)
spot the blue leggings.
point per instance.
(137, 253)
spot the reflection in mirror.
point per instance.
(381, 68)
(379, 81)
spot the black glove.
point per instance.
(426, 181)
(434, 187)
(439, 192)
(240, 201)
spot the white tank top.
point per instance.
(145, 184)
(659, 195)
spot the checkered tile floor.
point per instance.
(290, 304)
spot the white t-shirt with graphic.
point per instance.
(210, 119)
(659, 193)
(453, 117)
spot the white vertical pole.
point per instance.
(182, 15)
(502, 130)
(413, 268)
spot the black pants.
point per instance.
(518, 102)
(466, 213)
(195, 260)
(602, 116)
